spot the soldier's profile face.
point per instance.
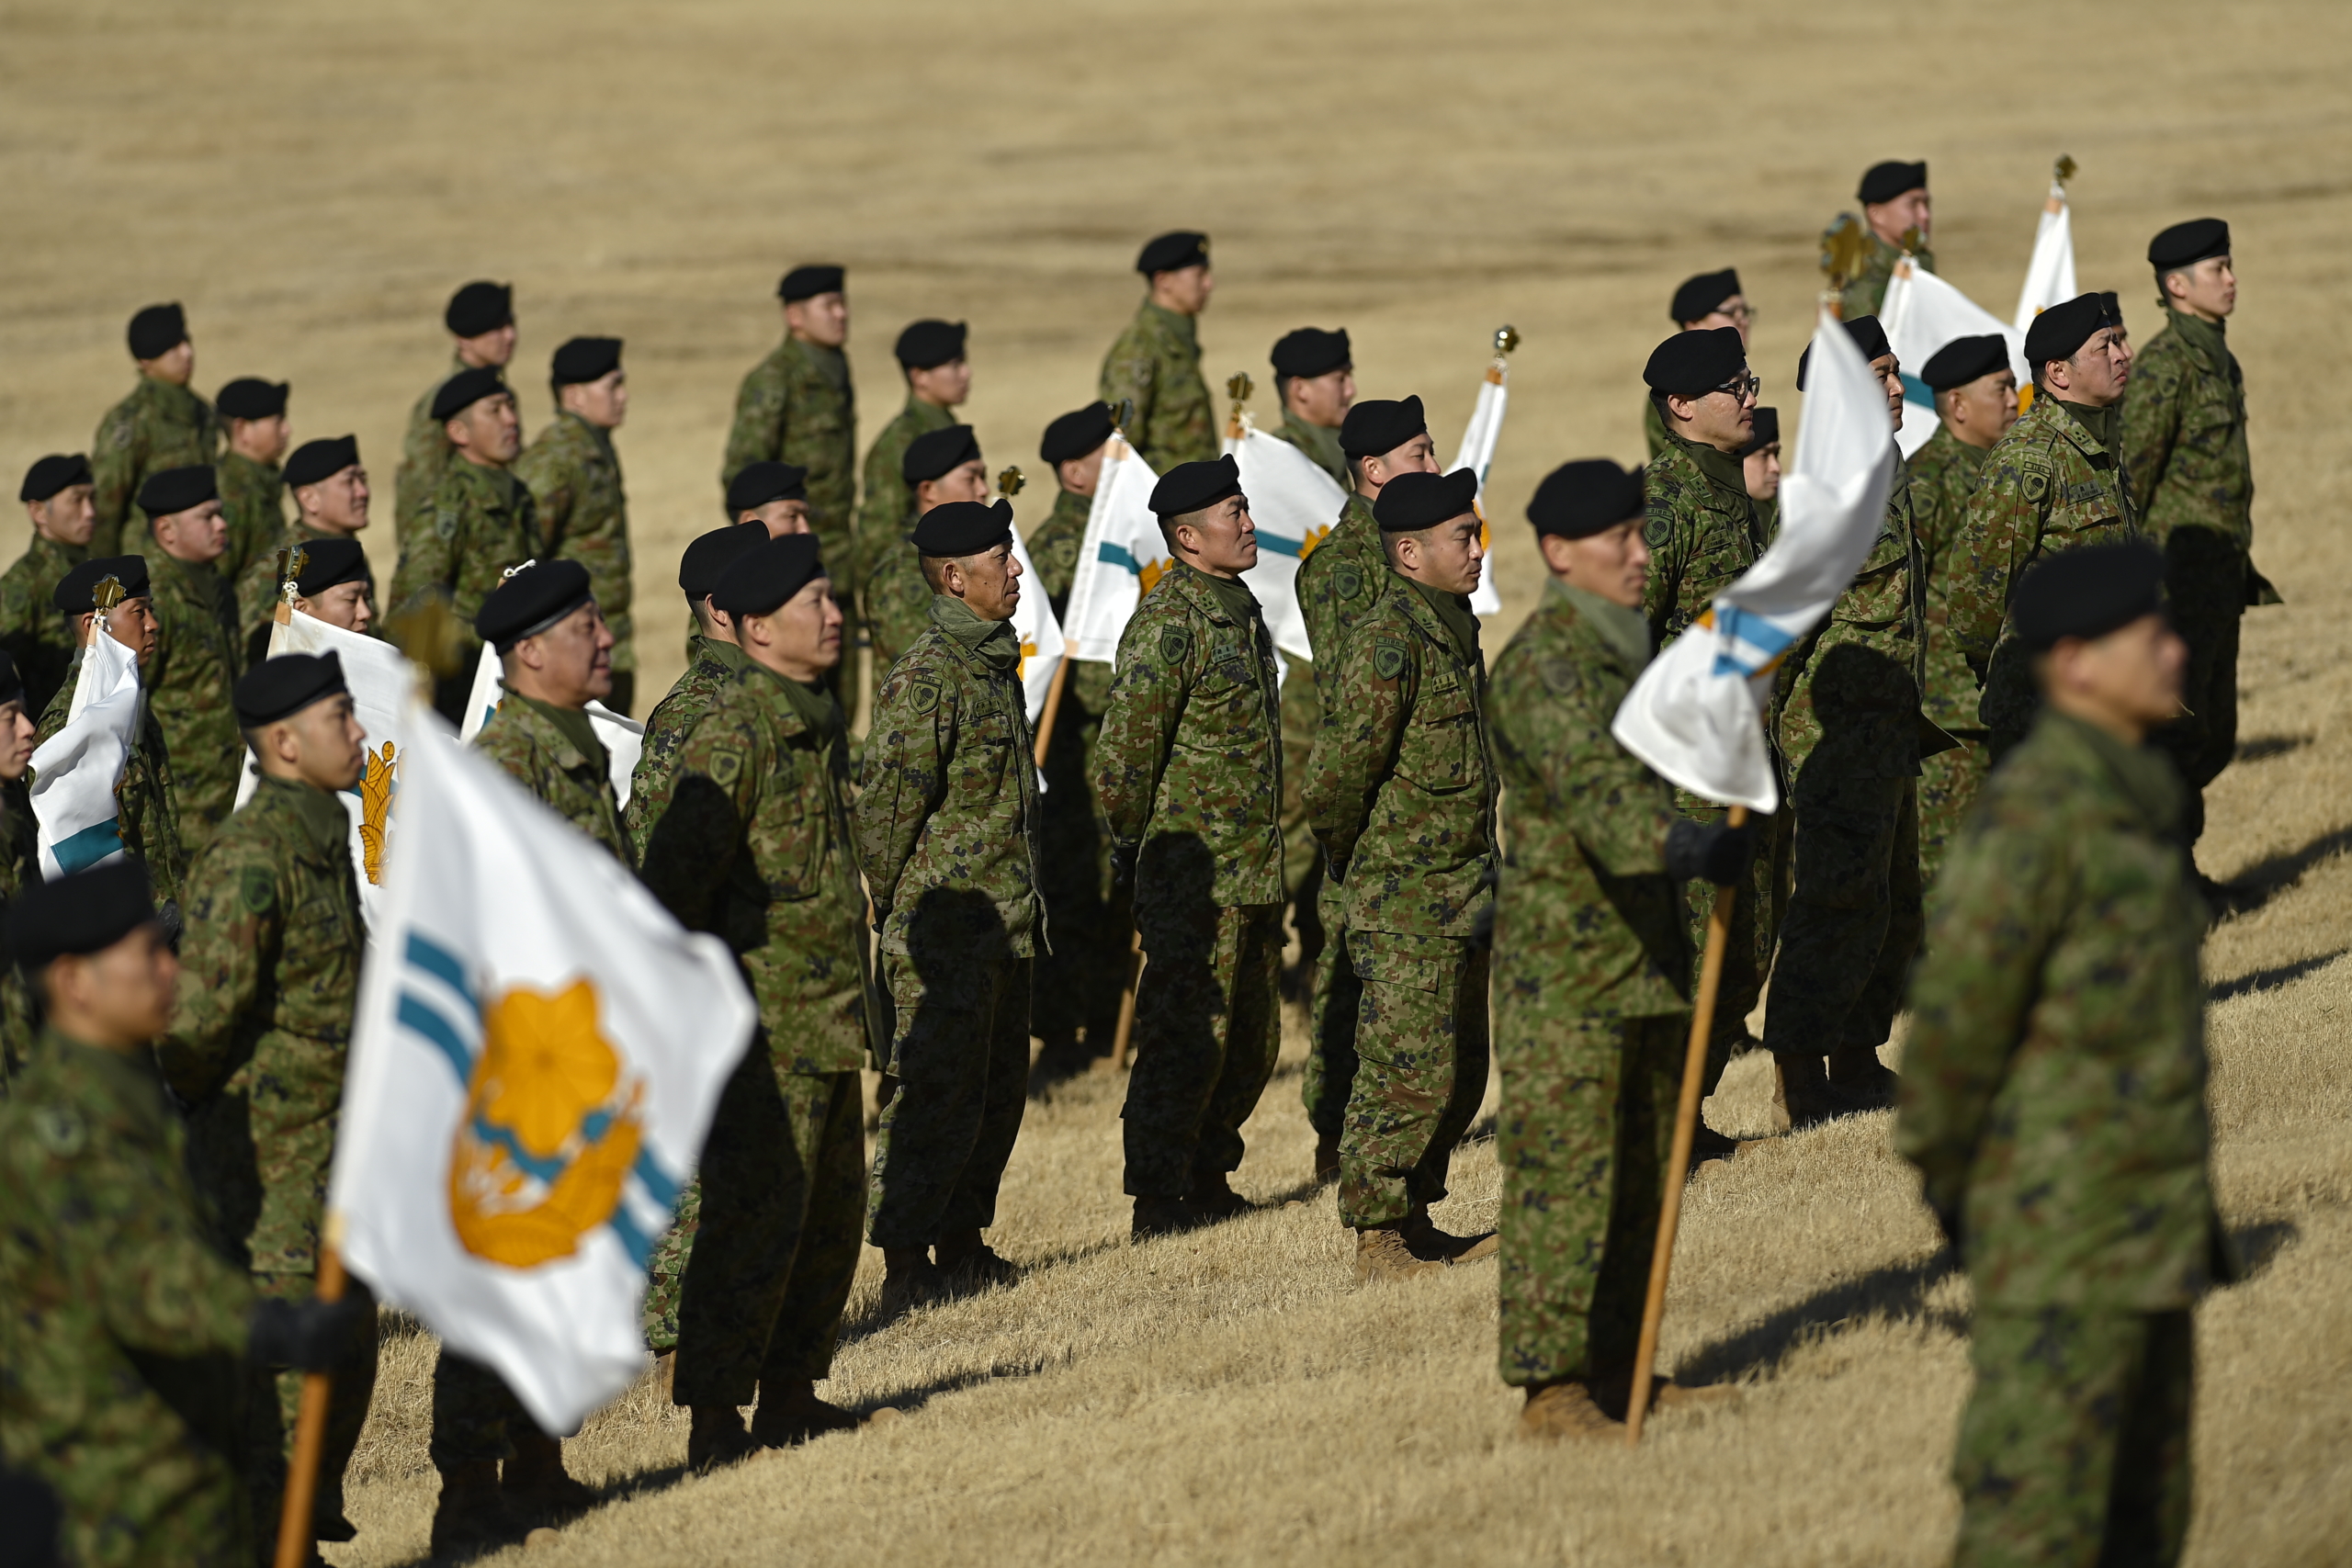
(327, 745)
(68, 516)
(489, 430)
(201, 534)
(339, 502)
(1890, 221)
(1322, 400)
(1761, 472)
(2210, 287)
(1417, 456)
(780, 517)
(493, 349)
(1452, 556)
(1081, 475)
(345, 605)
(990, 582)
(16, 740)
(800, 639)
(821, 319)
(1613, 563)
(1221, 540)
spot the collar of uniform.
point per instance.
(1722, 470)
(1623, 632)
(731, 656)
(816, 707)
(1227, 598)
(185, 574)
(993, 643)
(66, 556)
(126, 1084)
(1444, 615)
(574, 731)
(1070, 506)
(2209, 340)
(319, 812)
(2091, 429)
(1943, 446)
(594, 431)
(1320, 442)
(2140, 777)
(1183, 325)
(929, 416)
(495, 480)
(830, 363)
(270, 471)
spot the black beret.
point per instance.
(85, 913)
(1193, 487)
(76, 592)
(1173, 251)
(2059, 331)
(156, 331)
(584, 359)
(326, 562)
(321, 459)
(1885, 182)
(1311, 352)
(283, 686)
(2186, 245)
(479, 308)
(1379, 425)
(1766, 431)
(1580, 499)
(1691, 364)
(763, 481)
(808, 282)
(1867, 335)
(1076, 434)
(535, 596)
(758, 581)
(250, 397)
(179, 490)
(466, 388)
(12, 682)
(937, 452)
(1964, 359)
(2088, 593)
(964, 527)
(1700, 295)
(53, 473)
(1410, 502)
(927, 344)
(707, 557)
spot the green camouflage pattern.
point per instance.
(33, 631)
(1703, 530)
(1866, 291)
(1943, 475)
(797, 406)
(190, 681)
(556, 756)
(891, 594)
(253, 500)
(124, 1326)
(425, 456)
(1653, 430)
(1421, 1061)
(959, 1050)
(482, 523)
(712, 666)
(1155, 363)
(148, 819)
(665, 1271)
(1320, 442)
(1948, 785)
(19, 869)
(1300, 715)
(574, 478)
(158, 426)
(1850, 689)
(1342, 579)
(1208, 1026)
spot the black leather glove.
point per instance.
(1716, 852)
(1482, 924)
(310, 1336)
(1123, 867)
(881, 916)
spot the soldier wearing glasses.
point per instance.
(1708, 302)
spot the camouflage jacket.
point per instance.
(1586, 919)
(270, 975)
(1400, 789)
(35, 633)
(574, 477)
(1320, 442)
(797, 406)
(1053, 548)
(1851, 690)
(121, 1327)
(482, 521)
(159, 426)
(19, 868)
(425, 454)
(2184, 433)
(199, 656)
(252, 499)
(2054, 1079)
(1156, 362)
(1653, 429)
(756, 848)
(947, 793)
(1189, 762)
(1943, 475)
(2052, 483)
(712, 667)
(1702, 531)
(148, 801)
(1867, 292)
(1342, 579)
(555, 754)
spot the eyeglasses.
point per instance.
(1743, 389)
(1741, 312)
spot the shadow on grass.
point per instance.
(2263, 747)
(1897, 1294)
(2276, 974)
(2258, 1245)
(2258, 884)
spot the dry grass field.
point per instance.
(313, 180)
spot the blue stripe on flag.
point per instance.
(1117, 555)
(421, 1016)
(79, 852)
(442, 965)
(658, 1185)
(1279, 545)
(1917, 392)
(1735, 623)
(639, 1245)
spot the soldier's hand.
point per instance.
(881, 916)
(1716, 852)
(1123, 867)
(310, 1336)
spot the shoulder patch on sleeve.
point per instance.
(1347, 582)
(1387, 658)
(1175, 644)
(1559, 676)
(257, 889)
(2034, 484)
(60, 1130)
(1659, 528)
(726, 766)
(923, 695)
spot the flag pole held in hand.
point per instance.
(295, 1536)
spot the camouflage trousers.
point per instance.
(1331, 1020)
(1586, 1130)
(1208, 1027)
(1079, 983)
(665, 1275)
(275, 1404)
(782, 1173)
(1853, 921)
(1754, 928)
(960, 1052)
(2205, 582)
(2075, 1448)
(1302, 719)
(1948, 785)
(1421, 1060)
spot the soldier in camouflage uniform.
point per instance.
(161, 425)
(755, 846)
(776, 496)
(198, 654)
(19, 864)
(1708, 302)
(1155, 363)
(56, 494)
(1592, 963)
(269, 978)
(939, 467)
(330, 490)
(938, 377)
(797, 406)
(1316, 383)
(126, 1327)
(480, 316)
(1401, 794)
(1759, 465)
(2183, 446)
(1976, 401)
(1898, 215)
(2053, 483)
(252, 482)
(574, 478)
(1189, 770)
(1341, 581)
(2053, 1092)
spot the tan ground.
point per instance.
(312, 181)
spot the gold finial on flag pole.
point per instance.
(1010, 480)
(1845, 246)
(1238, 387)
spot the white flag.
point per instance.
(1293, 504)
(1921, 313)
(537, 1054)
(1040, 632)
(623, 737)
(1696, 714)
(76, 770)
(1119, 559)
(2050, 276)
(1477, 454)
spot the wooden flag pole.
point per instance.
(1053, 708)
(1677, 1164)
(1120, 1040)
(295, 1540)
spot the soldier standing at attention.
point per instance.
(1316, 381)
(939, 467)
(251, 481)
(776, 496)
(756, 847)
(127, 1328)
(1401, 793)
(574, 477)
(56, 494)
(480, 316)
(2185, 448)
(198, 654)
(1760, 466)
(2054, 482)
(2053, 1091)
(931, 357)
(947, 830)
(1899, 216)
(330, 488)
(1189, 772)
(1976, 401)
(1706, 304)
(269, 979)
(1156, 362)
(161, 425)
(796, 407)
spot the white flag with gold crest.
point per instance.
(1292, 503)
(1040, 632)
(1479, 439)
(1120, 558)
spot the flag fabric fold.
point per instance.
(623, 737)
(77, 769)
(2050, 276)
(1042, 645)
(1477, 454)
(1120, 557)
(1921, 313)
(1293, 504)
